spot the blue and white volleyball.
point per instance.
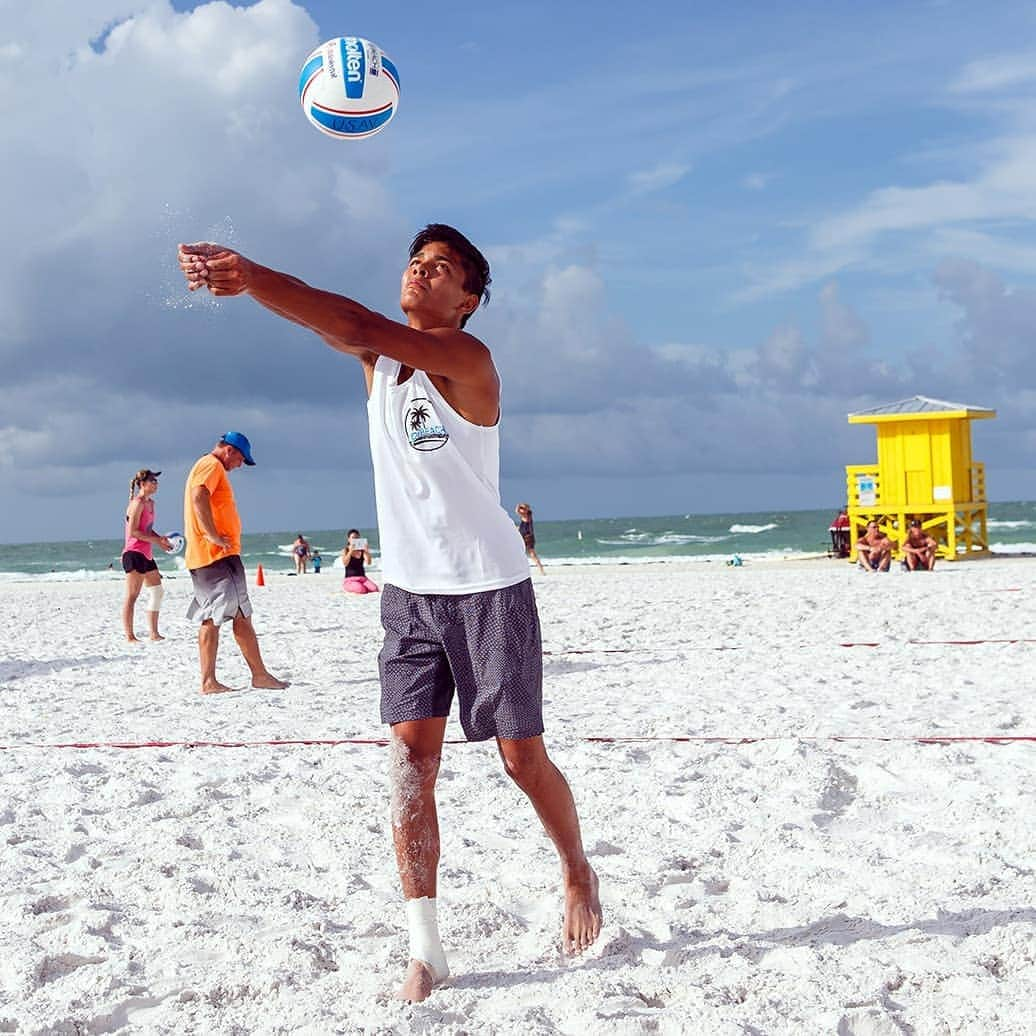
(349, 88)
(176, 542)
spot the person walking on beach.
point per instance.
(138, 560)
(212, 527)
(458, 606)
(354, 557)
(527, 531)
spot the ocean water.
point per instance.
(587, 541)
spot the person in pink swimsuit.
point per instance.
(137, 553)
(354, 558)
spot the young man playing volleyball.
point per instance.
(457, 606)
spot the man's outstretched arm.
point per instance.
(343, 323)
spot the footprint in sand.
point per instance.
(838, 794)
(56, 966)
(50, 905)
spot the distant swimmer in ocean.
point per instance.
(528, 533)
(354, 556)
(457, 603)
(138, 560)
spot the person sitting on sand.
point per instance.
(354, 556)
(138, 560)
(300, 552)
(212, 528)
(527, 531)
(919, 549)
(458, 606)
(874, 549)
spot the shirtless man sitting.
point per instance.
(919, 548)
(874, 549)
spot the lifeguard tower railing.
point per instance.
(960, 528)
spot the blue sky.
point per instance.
(715, 230)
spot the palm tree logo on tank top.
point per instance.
(423, 429)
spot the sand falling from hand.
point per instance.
(180, 228)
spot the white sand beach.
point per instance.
(794, 884)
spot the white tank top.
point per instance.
(436, 481)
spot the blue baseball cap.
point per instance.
(240, 443)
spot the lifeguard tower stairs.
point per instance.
(924, 470)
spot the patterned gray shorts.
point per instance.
(220, 591)
(486, 645)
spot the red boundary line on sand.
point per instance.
(958, 643)
(844, 644)
(933, 739)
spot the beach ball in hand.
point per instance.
(349, 88)
(176, 542)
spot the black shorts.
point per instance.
(486, 646)
(134, 561)
(530, 541)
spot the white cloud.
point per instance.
(658, 178)
(842, 330)
(1005, 71)
(756, 181)
(1004, 189)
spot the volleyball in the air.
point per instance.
(349, 89)
(176, 542)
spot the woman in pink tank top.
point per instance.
(137, 555)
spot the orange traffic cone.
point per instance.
(259, 580)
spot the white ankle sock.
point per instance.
(425, 944)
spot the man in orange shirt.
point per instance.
(212, 527)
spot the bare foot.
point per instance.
(130, 639)
(268, 682)
(215, 687)
(583, 915)
(418, 984)
(157, 636)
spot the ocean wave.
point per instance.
(81, 575)
(663, 539)
(1013, 548)
(753, 528)
(993, 523)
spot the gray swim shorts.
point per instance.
(220, 591)
(486, 645)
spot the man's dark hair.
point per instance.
(476, 266)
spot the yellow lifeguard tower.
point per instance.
(924, 470)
